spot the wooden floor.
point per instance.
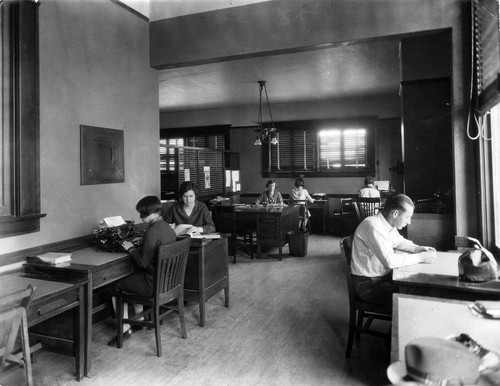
(286, 325)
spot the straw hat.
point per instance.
(436, 361)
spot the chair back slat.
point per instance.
(12, 318)
(366, 206)
(224, 219)
(346, 248)
(171, 267)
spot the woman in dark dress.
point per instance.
(141, 282)
(189, 215)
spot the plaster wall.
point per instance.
(94, 70)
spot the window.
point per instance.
(167, 154)
(322, 148)
(19, 145)
(495, 172)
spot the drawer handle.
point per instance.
(52, 306)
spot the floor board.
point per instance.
(286, 325)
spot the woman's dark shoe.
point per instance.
(126, 335)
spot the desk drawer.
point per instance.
(45, 309)
(111, 274)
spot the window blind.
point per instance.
(486, 53)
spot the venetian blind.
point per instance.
(486, 53)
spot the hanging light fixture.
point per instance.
(265, 134)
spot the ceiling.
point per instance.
(368, 67)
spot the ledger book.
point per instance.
(52, 258)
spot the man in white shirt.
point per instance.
(378, 248)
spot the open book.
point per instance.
(51, 258)
(204, 235)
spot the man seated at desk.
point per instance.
(378, 248)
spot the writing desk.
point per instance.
(440, 279)
(415, 316)
(271, 223)
(99, 268)
(52, 298)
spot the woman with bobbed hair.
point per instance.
(299, 193)
(188, 214)
(271, 195)
(369, 190)
(141, 281)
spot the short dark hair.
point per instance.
(148, 205)
(186, 187)
(269, 182)
(299, 182)
(369, 180)
(396, 201)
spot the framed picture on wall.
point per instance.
(101, 155)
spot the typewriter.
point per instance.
(109, 238)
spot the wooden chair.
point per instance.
(360, 310)
(225, 222)
(12, 321)
(366, 206)
(168, 286)
(462, 243)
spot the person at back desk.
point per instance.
(188, 214)
(378, 248)
(369, 190)
(271, 195)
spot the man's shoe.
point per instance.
(126, 335)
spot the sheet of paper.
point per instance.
(114, 221)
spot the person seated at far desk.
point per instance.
(271, 195)
(299, 193)
(141, 282)
(189, 215)
(378, 248)
(369, 190)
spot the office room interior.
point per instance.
(148, 68)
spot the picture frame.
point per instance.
(101, 155)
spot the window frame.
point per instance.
(23, 125)
(314, 127)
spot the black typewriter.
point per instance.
(110, 239)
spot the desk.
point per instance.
(415, 317)
(52, 298)
(440, 279)
(319, 214)
(100, 269)
(207, 272)
(272, 224)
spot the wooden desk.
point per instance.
(440, 279)
(99, 268)
(207, 272)
(52, 298)
(272, 224)
(319, 214)
(415, 317)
